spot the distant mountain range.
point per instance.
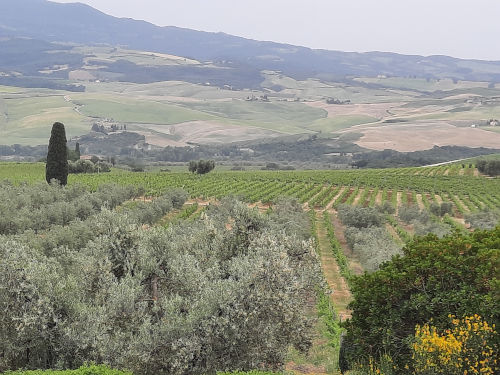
(47, 22)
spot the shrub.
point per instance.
(410, 214)
(468, 347)
(489, 167)
(433, 277)
(484, 219)
(386, 208)
(201, 166)
(441, 209)
(360, 217)
(87, 166)
(373, 246)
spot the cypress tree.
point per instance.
(77, 150)
(57, 155)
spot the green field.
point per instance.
(126, 110)
(28, 120)
(453, 183)
(281, 105)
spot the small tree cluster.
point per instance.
(38, 207)
(421, 219)
(489, 167)
(87, 166)
(364, 234)
(441, 209)
(360, 217)
(201, 166)
(373, 246)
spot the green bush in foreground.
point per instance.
(84, 370)
(434, 278)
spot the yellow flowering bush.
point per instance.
(465, 349)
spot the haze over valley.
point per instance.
(179, 87)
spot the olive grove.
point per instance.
(225, 292)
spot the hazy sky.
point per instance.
(460, 28)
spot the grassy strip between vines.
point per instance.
(323, 355)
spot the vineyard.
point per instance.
(459, 184)
(443, 198)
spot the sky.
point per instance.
(458, 28)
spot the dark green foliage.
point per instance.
(489, 167)
(396, 159)
(193, 165)
(84, 370)
(435, 277)
(74, 155)
(201, 166)
(304, 148)
(87, 166)
(57, 156)
(344, 354)
(77, 150)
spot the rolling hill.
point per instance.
(179, 87)
(79, 23)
